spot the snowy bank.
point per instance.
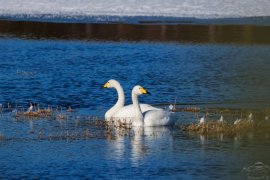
(166, 8)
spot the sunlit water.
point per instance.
(71, 72)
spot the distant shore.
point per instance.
(156, 31)
(154, 20)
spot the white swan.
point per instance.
(121, 98)
(151, 117)
(125, 110)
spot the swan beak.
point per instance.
(144, 91)
(106, 85)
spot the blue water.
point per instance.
(70, 73)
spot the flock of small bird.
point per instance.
(204, 119)
(34, 111)
(249, 119)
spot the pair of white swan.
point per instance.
(137, 114)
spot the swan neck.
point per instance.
(121, 96)
(138, 121)
(119, 104)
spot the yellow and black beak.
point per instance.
(144, 91)
(106, 85)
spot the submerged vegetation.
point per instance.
(212, 121)
(68, 124)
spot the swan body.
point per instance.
(151, 117)
(128, 111)
(119, 111)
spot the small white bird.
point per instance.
(237, 121)
(250, 116)
(171, 107)
(266, 118)
(202, 120)
(30, 109)
(221, 119)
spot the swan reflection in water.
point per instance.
(141, 142)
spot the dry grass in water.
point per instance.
(42, 113)
(249, 120)
(70, 136)
(220, 110)
(97, 129)
(102, 128)
(227, 128)
(187, 109)
(49, 112)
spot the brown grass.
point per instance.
(187, 109)
(227, 128)
(36, 114)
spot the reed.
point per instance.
(227, 128)
(37, 114)
(187, 109)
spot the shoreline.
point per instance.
(149, 20)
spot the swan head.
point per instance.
(111, 84)
(139, 90)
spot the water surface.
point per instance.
(65, 65)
